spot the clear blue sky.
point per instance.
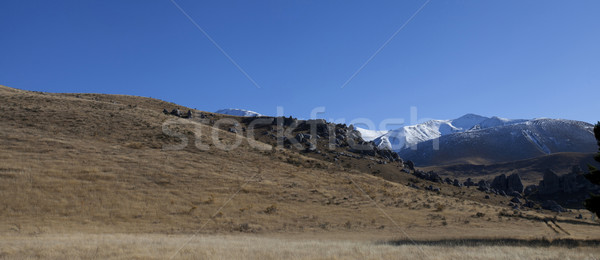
(515, 59)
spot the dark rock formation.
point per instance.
(410, 165)
(457, 183)
(514, 183)
(483, 185)
(529, 204)
(500, 183)
(552, 205)
(507, 184)
(176, 112)
(550, 184)
(514, 194)
(571, 183)
(430, 176)
(530, 189)
(448, 180)
(432, 188)
(469, 182)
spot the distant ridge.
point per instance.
(481, 140)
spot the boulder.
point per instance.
(176, 112)
(189, 114)
(550, 183)
(571, 183)
(311, 148)
(514, 194)
(290, 121)
(500, 183)
(568, 183)
(448, 180)
(515, 200)
(414, 186)
(432, 176)
(483, 185)
(530, 189)
(432, 188)
(456, 183)
(469, 182)
(529, 204)
(410, 165)
(165, 111)
(513, 183)
(553, 206)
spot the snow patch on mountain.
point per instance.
(238, 112)
(409, 136)
(369, 135)
(534, 140)
(518, 140)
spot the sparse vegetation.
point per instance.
(271, 209)
(113, 192)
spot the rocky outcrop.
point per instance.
(469, 182)
(571, 183)
(514, 183)
(456, 183)
(499, 183)
(430, 176)
(410, 165)
(483, 185)
(176, 112)
(550, 184)
(530, 189)
(189, 114)
(509, 184)
(553, 206)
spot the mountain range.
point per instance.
(476, 139)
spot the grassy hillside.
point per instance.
(95, 164)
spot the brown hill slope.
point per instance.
(95, 163)
(530, 170)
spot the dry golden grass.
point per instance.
(152, 246)
(88, 167)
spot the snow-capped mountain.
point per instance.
(238, 112)
(478, 139)
(519, 141)
(370, 135)
(409, 136)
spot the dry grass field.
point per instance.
(152, 246)
(85, 176)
